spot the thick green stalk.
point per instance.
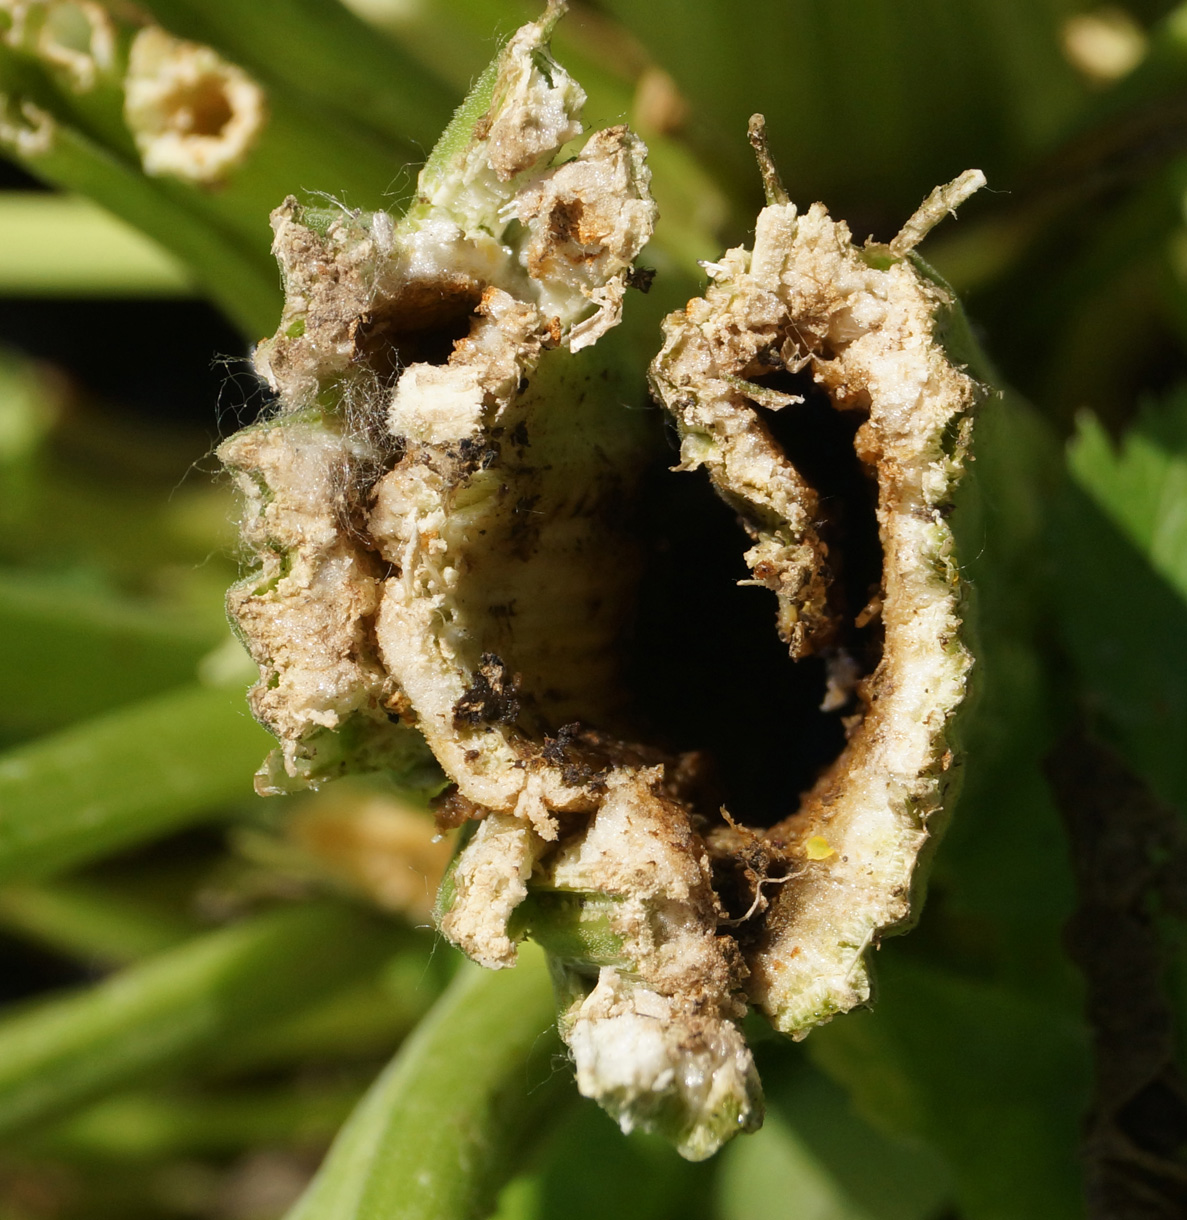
(124, 778)
(437, 1134)
(171, 1009)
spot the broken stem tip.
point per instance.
(943, 201)
(772, 184)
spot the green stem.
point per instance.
(96, 923)
(437, 1134)
(97, 110)
(154, 1127)
(166, 1012)
(123, 778)
(241, 280)
(571, 927)
(242, 284)
(361, 1022)
(301, 147)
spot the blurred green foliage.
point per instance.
(178, 1069)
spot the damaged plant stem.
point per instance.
(445, 511)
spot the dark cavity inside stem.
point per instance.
(422, 326)
(201, 109)
(819, 441)
(706, 669)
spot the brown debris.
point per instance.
(492, 698)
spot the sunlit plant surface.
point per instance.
(203, 987)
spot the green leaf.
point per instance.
(57, 636)
(1141, 483)
(1120, 561)
(123, 778)
(776, 1175)
(988, 1077)
(166, 1011)
(438, 1133)
(63, 245)
(96, 923)
(586, 1169)
(868, 102)
(816, 1155)
(1073, 331)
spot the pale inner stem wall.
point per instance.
(806, 296)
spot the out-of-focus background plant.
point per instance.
(200, 986)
